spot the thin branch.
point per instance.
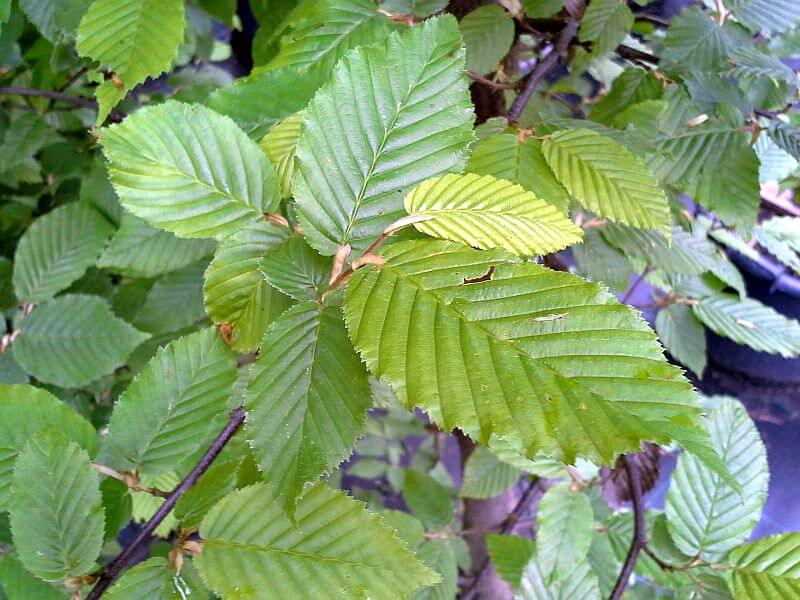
(112, 570)
(60, 97)
(543, 68)
(639, 541)
(637, 55)
(133, 482)
(637, 282)
(488, 82)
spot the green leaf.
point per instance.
(766, 569)
(631, 87)
(73, 340)
(144, 505)
(17, 583)
(747, 321)
(252, 550)
(541, 8)
(607, 179)
(155, 579)
(56, 250)
(296, 269)
(487, 213)
(56, 513)
(486, 476)
(260, 101)
(428, 500)
(325, 33)
(506, 157)
(510, 554)
(488, 33)
(174, 302)
(706, 516)
(606, 23)
(417, 8)
(683, 336)
(189, 170)
(786, 136)
(747, 61)
(279, 145)
(170, 409)
(350, 180)
(440, 556)
(26, 410)
(696, 42)
(235, 290)
(686, 254)
(56, 20)
(217, 482)
(781, 237)
(767, 15)
(565, 531)
(134, 39)
(579, 582)
(599, 261)
(139, 250)
(461, 350)
(305, 422)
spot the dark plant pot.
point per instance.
(776, 286)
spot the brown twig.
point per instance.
(7, 339)
(636, 55)
(115, 115)
(488, 82)
(112, 570)
(558, 53)
(132, 481)
(639, 541)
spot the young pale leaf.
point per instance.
(488, 33)
(509, 555)
(135, 39)
(25, 410)
(506, 157)
(279, 145)
(766, 569)
(486, 212)
(235, 290)
(18, 584)
(252, 550)
(607, 179)
(468, 330)
(155, 579)
(56, 250)
(412, 123)
(565, 531)
(683, 336)
(189, 170)
(296, 269)
(74, 339)
(169, 410)
(747, 321)
(429, 501)
(706, 516)
(578, 582)
(260, 101)
(56, 514)
(486, 476)
(139, 250)
(306, 421)
(606, 23)
(325, 33)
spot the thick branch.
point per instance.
(112, 570)
(639, 541)
(543, 68)
(59, 96)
